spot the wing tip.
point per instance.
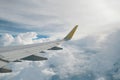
(71, 33)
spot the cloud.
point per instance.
(59, 16)
(6, 40)
(22, 39)
(87, 58)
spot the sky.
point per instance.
(91, 54)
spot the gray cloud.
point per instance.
(56, 15)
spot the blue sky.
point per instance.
(91, 54)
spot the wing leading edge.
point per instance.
(11, 54)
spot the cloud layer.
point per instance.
(87, 58)
(92, 16)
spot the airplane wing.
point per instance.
(27, 52)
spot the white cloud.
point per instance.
(48, 72)
(6, 40)
(25, 38)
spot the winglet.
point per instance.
(70, 35)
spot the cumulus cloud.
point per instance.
(6, 39)
(22, 39)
